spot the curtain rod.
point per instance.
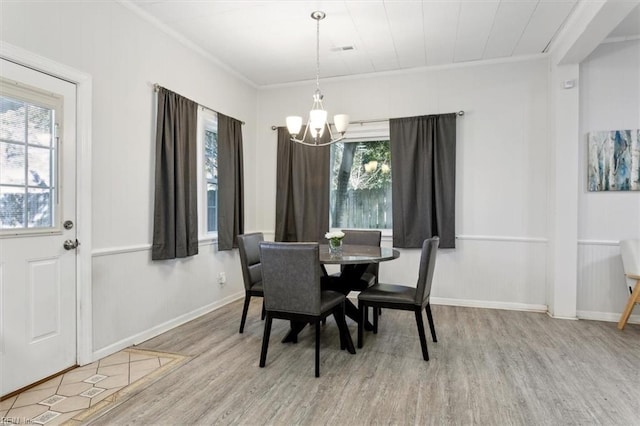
(379, 120)
(156, 87)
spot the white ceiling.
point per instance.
(274, 42)
(629, 27)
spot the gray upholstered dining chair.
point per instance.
(391, 296)
(630, 253)
(251, 270)
(291, 280)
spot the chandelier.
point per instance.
(317, 123)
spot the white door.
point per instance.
(37, 200)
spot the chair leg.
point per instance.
(265, 340)
(247, 299)
(431, 325)
(633, 299)
(317, 348)
(264, 311)
(375, 320)
(423, 339)
(366, 313)
(363, 316)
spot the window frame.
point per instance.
(207, 120)
(53, 102)
(363, 133)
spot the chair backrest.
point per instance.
(291, 277)
(427, 266)
(630, 253)
(248, 245)
(364, 238)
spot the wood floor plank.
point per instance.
(489, 367)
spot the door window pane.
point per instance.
(39, 170)
(12, 119)
(40, 125)
(38, 208)
(27, 165)
(12, 207)
(13, 161)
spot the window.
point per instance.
(360, 191)
(28, 160)
(208, 176)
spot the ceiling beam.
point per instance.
(587, 27)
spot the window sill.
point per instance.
(209, 239)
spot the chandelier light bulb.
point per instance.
(318, 119)
(294, 124)
(341, 122)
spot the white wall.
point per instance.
(134, 298)
(501, 170)
(502, 205)
(610, 100)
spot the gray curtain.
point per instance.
(423, 160)
(230, 182)
(175, 217)
(302, 190)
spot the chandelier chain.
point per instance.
(317, 54)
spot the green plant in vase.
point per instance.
(335, 241)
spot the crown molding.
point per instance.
(184, 41)
(416, 70)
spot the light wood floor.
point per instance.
(489, 367)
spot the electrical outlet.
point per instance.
(222, 278)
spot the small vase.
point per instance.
(335, 246)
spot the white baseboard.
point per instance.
(606, 316)
(486, 304)
(510, 306)
(157, 330)
(562, 317)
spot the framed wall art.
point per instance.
(614, 160)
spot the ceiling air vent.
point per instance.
(343, 48)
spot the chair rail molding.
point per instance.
(598, 243)
(504, 238)
(110, 251)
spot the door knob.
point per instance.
(70, 244)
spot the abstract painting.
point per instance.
(614, 160)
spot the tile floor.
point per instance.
(68, 397)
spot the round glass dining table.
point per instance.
(355, 254)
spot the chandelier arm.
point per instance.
(304, 135)
(331, 142)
